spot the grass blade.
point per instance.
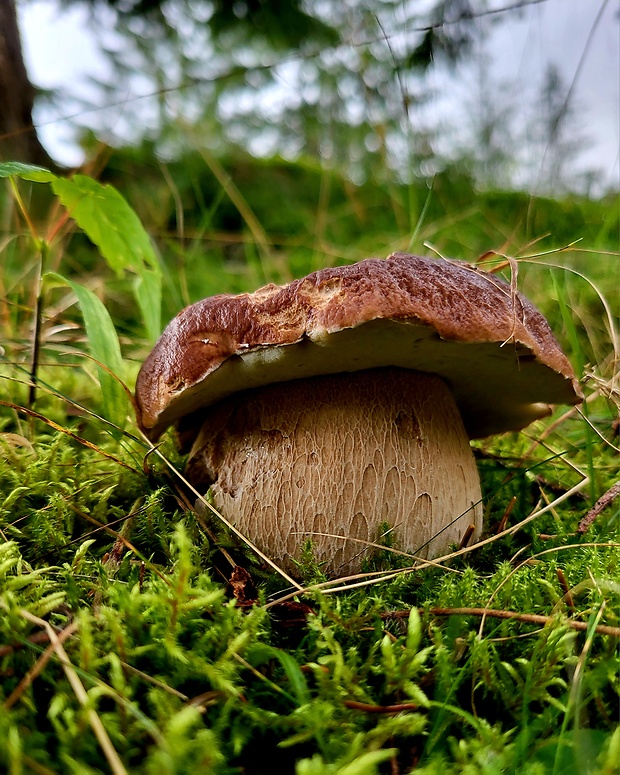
(104, 347)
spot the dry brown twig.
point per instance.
(41, 662)
(605, 500)
(368, 708)
(112, 757)
(38, 637)
(494, 613)
(553, 550)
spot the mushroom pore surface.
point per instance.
(342, 455)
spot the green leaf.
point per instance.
(26, 172)
(104, 347)
(147, 290)
(296, 678)
(260, 653)
(113, 226)
(108, 220)
(81, 552)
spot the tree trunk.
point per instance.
(18, 137)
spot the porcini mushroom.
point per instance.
(344, 401)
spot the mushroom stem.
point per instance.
(340, 457)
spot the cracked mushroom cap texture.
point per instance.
(490, 345)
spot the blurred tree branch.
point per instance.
(352, 78)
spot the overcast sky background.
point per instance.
(62, 52)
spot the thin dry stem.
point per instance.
(605, 500)
(532, 557)
(257, 673)
(373, 545)
(615, 338)
(554, 452)
(506, 515)
(154, 681)
(194, 510)
(99, 730)
(549, 429)
(118, 537)
(596, 430)
(375, 577)
(236, 197)
(601, 629)
(368, 708)
(38, 666)
(61, 429)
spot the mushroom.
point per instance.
(342, 404)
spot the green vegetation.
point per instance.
(123, 646)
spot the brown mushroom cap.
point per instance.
(488, 343)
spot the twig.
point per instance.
(398, 708)
(74, 436)
(467, 536)
(116, 765)
(568, 598)
(375, 545)
(507, 512)
(38, 666)
(518, 567)
(199, 510)
(154, 681)
(601, 629)
(605, 500)
(119, 537)
(343, 584)
(38, 637)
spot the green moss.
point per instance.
(95, 536)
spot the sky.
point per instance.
(581, 37)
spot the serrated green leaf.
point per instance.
(104, 347)
(108, 221)
(112, 225)
(26, 172)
